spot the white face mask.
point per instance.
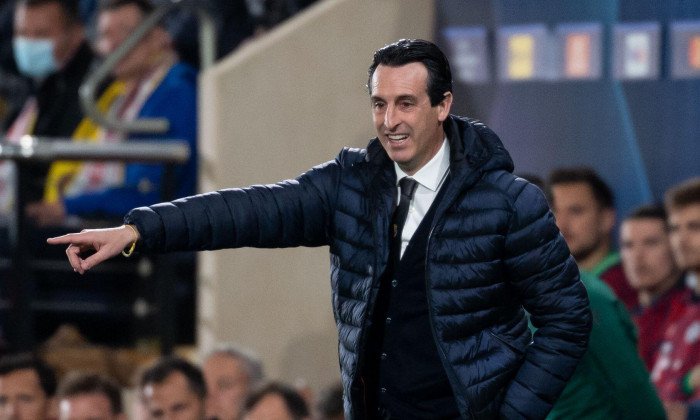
(34, 57)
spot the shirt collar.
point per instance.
(433, 173)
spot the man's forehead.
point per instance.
(412, 77)
(688, 213)
(643, 226)
(90, 404)
(27, 377)
(173, 386)
(48, 11)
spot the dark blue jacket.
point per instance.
(493, 250)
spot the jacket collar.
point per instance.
(473, 147)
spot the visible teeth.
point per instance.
(397, 137)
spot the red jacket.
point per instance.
(652, 321)
(680, 350)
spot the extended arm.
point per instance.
(289, 213)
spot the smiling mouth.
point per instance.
(396, 138)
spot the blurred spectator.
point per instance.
(680, 411)
(330, 403)
(50, 49)
(155, 85)
(7, 62)
(652, 271)
(173, 389)
(230, 374)
(27, 388)
(610, 381)
(89, 397)
(676, 373)
(13, 88)
(276, 401)
(137, 403)
(232, 21)
(235, 22)
(269, 13)
(583, 206)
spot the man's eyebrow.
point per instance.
(399, 98)
(406, 97)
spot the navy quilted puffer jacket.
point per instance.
(494, 251)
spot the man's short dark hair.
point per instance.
(683, 195)
(77, 383)
(145, 6)
(330, 402)
(166, 366)
(648, 211)
(70, 8)
(292, 399)
(407, 51)
(583, 174)
(47, 377)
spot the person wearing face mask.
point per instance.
(50, 49)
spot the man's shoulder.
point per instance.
(176, 93)
(516, 190)
(180, 75)
(349, 156)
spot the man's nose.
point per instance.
(391, 119)
(638, 256)
(210, 406)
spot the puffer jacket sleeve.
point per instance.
(547, 279)
(289, 213)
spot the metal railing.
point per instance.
(32, 150)
(38, 149)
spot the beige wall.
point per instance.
(278, 106)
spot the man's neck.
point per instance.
(133, 81)
(590, 261)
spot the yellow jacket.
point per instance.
(62, 172)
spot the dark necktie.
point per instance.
(408, 189)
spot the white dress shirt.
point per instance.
(430, 178)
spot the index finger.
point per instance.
(71, 238)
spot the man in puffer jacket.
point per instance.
(430, 296)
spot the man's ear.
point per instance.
(444, 107)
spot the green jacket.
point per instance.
(610, 381)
